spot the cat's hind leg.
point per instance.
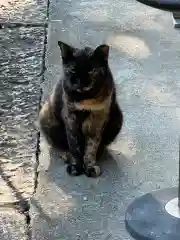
(112, 129)
(54, 131)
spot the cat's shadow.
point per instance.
(112, 166)
(65, 203)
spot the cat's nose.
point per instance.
(79, 90)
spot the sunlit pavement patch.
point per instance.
(23, 11)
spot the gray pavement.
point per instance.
(144, 59)
(32, 11)
(21, 61)
(12, 225)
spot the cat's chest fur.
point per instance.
(91, 114)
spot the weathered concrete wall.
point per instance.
(21, 68)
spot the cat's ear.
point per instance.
(66, 51)
(102, 51)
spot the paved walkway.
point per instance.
(144, 59)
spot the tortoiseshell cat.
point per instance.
(82, 115)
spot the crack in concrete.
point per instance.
(37, 153)
(21, 205)
(43, 69)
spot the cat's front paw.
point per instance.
(74, 170)
(93, 171)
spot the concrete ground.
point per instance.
(144, 58)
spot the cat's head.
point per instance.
(85, 69)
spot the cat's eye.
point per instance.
(96, 72)
(93, 73)
(72, 71)
(69, 71)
